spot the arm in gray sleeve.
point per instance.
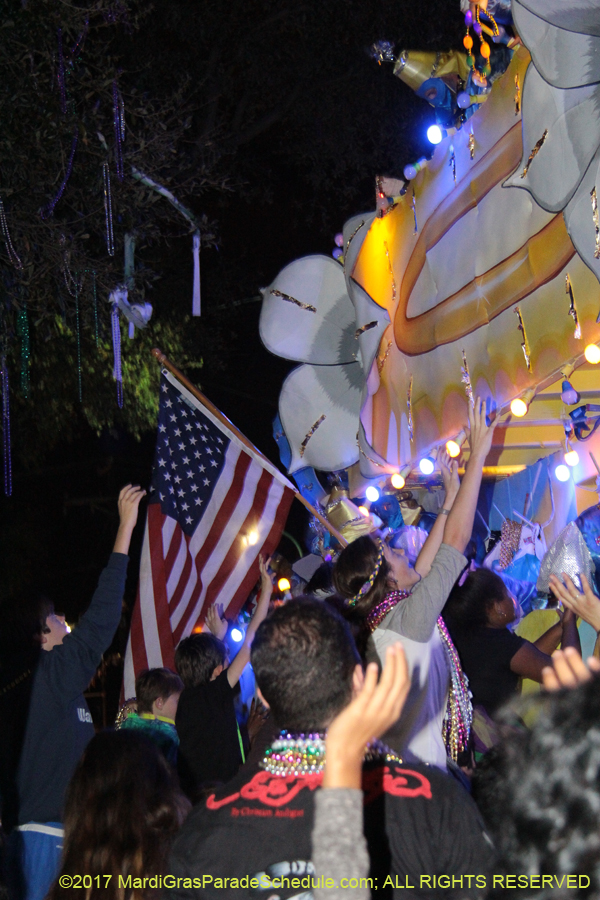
(339, 846)
(416, 616)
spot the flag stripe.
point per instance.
(249, 579)
(246, 556)
(210, 555)
(215, 517)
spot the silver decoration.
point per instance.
(568, 553)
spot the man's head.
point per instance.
(304, 661)
(157, 692)
(54, 631)
(200, 658)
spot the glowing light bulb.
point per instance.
(427, 465)
(398, 481)
(518, 407)
(284, 584)
(434, 134)
(253, 537)
(372, 494)
(237, 635)
(363, 510)
(572, 458)
(569, 395)
(562, 472)
(452, 449)
(592, 354)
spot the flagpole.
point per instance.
(162, 359)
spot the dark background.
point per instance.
(303, 121)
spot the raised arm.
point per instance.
(71, 666)
(238, 665)
(129, 503)
(460, 520)
(449, 470)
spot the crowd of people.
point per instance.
(356, 775)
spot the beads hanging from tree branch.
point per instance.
(23, 332)
(6, 425)
(119, 124)
(117, 369)
(95, 307)
(12, 253)
(48, 210)
(110, 238)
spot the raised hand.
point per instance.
(449, 471)
(585, 604)
(369, 715)
(216, 621)
(256, 718)
(481, 434)
(568, 670)
(129, 501)
(266, 581)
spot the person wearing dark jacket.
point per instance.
(58, 722)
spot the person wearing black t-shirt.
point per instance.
(210, 744)
(478, 614)
(251, 838)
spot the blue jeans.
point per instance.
(33, 859)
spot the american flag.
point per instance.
(215, 505)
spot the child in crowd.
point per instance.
(211, 748)
(157, 692)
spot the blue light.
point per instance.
(372, 494)
(237, 635)
(427, 465)
(434, 134)
(562, 473)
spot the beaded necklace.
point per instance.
(459, 710)
(304, 754)
(379, 612)
(456, 727)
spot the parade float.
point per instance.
(477, 275)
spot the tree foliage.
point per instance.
(65, 70)
(270, 109)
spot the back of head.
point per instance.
(303, 658)
(470, 603)
(197, 657)
(154, 683)
(540, 792)
(321, 583)
(122, 808)
(23, 621)
(353, 569)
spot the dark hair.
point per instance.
(197, 657)
(540, 793)
(122, 809)
(303, 658)
(470, 604)
(23, 621)
(154, 683)
(322, 580)
(354, 566)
